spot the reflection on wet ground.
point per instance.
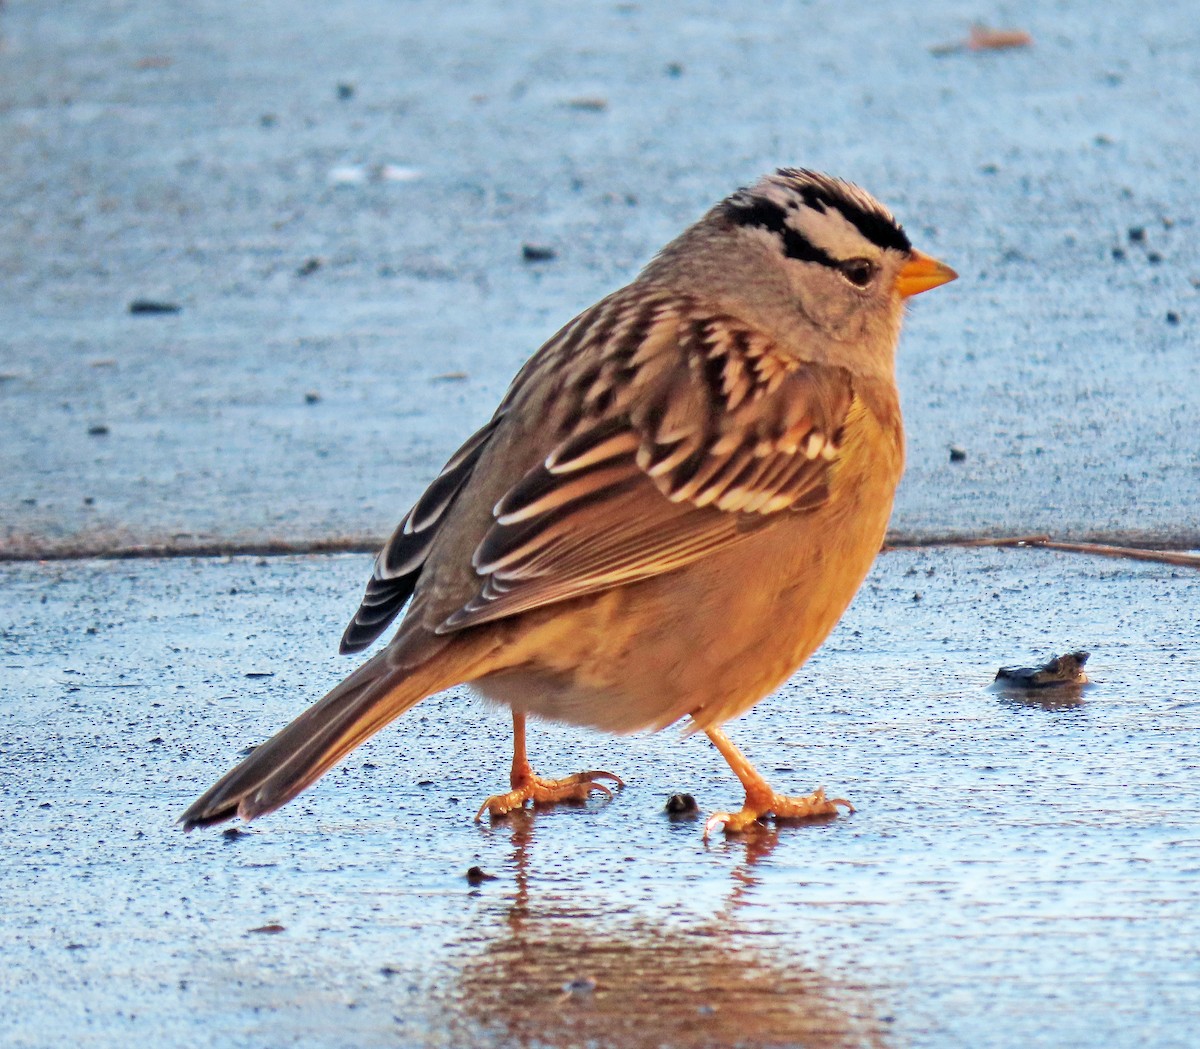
(555, 971)
(1019, 872)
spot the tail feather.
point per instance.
(298, 755)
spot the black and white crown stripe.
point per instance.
(817, 218)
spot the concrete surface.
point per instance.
(1019, 873)
(200, 154)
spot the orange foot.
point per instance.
(530, 787)
(781, 806)
(761, 800)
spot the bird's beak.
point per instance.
(922, 272)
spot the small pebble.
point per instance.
(957, 455)
(347, 175)
(537, 253)
(153, 306)
(398, 173)
(1153, 257)
(312, 397)
(99, 430)
(1137, 234)
(681, 805)
(1064, 670)
(1172, 317)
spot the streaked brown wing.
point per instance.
(721, 432)
(399, 564)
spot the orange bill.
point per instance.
(921, 273)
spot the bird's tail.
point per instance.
(300, 754)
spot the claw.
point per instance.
(814, 806)
(576, 787)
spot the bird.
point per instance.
(674, 503)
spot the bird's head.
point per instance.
(816, 248)
(845, 254)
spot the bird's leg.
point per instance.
(761, 800)
(528, 786)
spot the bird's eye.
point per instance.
(858, 271)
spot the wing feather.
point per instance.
(399, 564)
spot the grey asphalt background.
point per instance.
(198, 153)
(1019, 873)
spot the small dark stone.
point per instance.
(44, 805)
(1058, 672)
(99, 430)
(580, 987)
(89, 500)
(681, 805)
(957, 455)
(309, 266)
(311, 397)
(425, 783)
(1137, 234)
(477, 876)
(153, 306)
(1172, 317)
(1153, 257)
(537, 253)
(156, 739)
(345, 92)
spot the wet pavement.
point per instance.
(337, 198)
(1020, 871)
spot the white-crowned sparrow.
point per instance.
(671, 508)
